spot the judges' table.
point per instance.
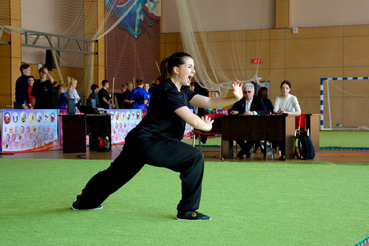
(256, 128)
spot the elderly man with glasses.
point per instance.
(248, 105)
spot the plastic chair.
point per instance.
(216, 130)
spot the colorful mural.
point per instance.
(132, 13)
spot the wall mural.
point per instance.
(133, 13)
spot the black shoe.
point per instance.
(192, 215)
(240, 155)
(248, 155)
(77, 206)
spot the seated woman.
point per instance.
(286, 104)
(264, 94)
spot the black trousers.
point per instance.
(245, 146)
(141, 149)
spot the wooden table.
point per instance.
(76, 127)
(256, 128)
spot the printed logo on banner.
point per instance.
(6, 118)
(23, 117)
(52, 117)
(31, 117)
(38, 117)
(15, 117)
(46, 117)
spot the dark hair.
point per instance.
(287, 83)
(263, 92)
(30, 77)
(139, 81)
(104, 82)
(24, 66)
(175, 60)
(42, 68)
(94, 86)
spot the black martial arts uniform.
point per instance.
(155, 141)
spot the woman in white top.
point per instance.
(286, 103)
(72, 92)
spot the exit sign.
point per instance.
(257, 60)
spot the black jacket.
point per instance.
(256, 105)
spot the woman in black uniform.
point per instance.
(157, 140)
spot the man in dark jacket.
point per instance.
(21, 89)
(248, 105)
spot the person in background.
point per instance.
(194, 109)
(21, 88)
(123, 88)
(146, 88)
(62, 100)
(285, 104)
(43, 90)
(248, 105)
(139, 96)
(71, 91)
(93, 95)
(264, 94)
(127, 102)
(104, 98)
(31, 81)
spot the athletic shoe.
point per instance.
(192, 215)
(77, 206)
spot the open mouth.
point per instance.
(189, 79)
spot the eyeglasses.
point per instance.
(247, 92)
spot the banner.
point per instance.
(29, 130)
(122, 122)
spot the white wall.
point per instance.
(315, 13)
(224, 15)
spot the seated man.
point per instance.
(248, 105)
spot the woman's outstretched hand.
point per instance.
(208, 121)
(237, 89)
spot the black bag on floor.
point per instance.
(304, 147)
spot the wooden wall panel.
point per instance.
(277, 54)
(309, 53)
(226, 36)
(356, 72)
(276, 77)
(224, 54)
(258, 49)
(316, 32)
(356, 51)
(258, 35)
(350, 31)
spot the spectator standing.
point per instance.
(139, 96)
(93, 95)
(104, 98)
(43, 90)
(71, 91)
(62, 100)
(31, 81)
(21, 89)
(126, 97)
(146, 88)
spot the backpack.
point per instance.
(304, 147)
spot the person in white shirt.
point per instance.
(71, 91)
(286, 103)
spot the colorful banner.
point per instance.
(123, 121)
(29, 130)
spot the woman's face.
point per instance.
(31, 81)
(74, 84)
(186, 71)
(285, 90)
(146, 87)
